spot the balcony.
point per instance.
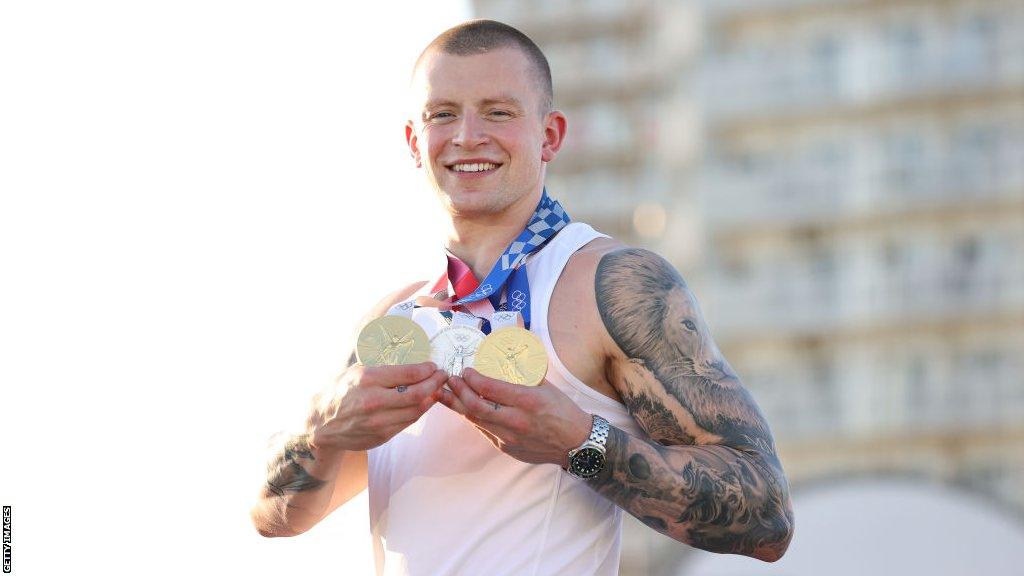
(895, 388)
(781, 194)
(604, 67)
(725, 8)
(565, 19)
(781, 300)
(769, 83)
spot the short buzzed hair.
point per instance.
(481, 36)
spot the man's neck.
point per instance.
(480, 240)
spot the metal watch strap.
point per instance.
(598, 433)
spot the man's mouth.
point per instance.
(473, 167)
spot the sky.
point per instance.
(198, 201)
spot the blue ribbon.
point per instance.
(548, 218)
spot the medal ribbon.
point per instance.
(548, 218)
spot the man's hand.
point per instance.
(367, 406)
(537, 425)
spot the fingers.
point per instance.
(449, 399)
(473, 405)
(422, 394)
(497, 390)
(394, 376)
(398, 418)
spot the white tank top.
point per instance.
(444, 500)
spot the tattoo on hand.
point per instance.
(285, 473)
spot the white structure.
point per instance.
(886, 528)
(842, 182)
(863, 193)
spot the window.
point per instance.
(905, 46)
(963, 267)
(905, 156)
(826, 67)
(975, 150)
(823, 392)
(894, 256)
(973, 49)
(919, 401)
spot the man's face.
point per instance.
(479, 131)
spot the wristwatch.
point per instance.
(587, 461)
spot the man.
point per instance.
(639, 411)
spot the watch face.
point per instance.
(587, 462)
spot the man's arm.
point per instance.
(313, 473)
(304, 485)
(302, 489)
(710, 475)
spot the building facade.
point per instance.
(842, 182)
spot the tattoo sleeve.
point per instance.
(709, 475)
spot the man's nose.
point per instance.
(470, 132)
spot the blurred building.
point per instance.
(616, 67)
(843, 184)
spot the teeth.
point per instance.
(474, 167)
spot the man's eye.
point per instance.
(441, 116)
(501, 113)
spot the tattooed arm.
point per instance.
(311, 474)
(303, 484)
(709, 475)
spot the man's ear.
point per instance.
(555, 126)
(413, 142)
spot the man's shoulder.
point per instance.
(586, 258)
(586, 263)
(603, 258)
(604, 279)
(587, 272)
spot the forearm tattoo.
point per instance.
(713, 478)
(285, 473)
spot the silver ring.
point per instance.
(402, 388)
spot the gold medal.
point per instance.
(514, 355)
(392, 340)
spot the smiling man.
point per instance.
(638, 411)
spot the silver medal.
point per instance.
(454, 347)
